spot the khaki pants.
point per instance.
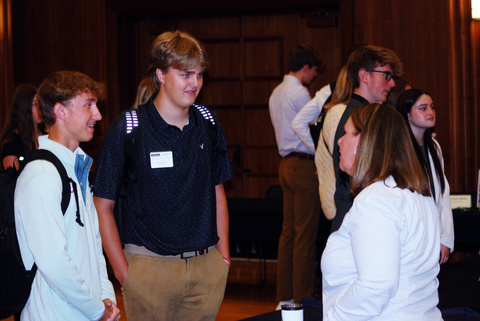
(301, 213)
(166, 288)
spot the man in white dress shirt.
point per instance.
(301, 204)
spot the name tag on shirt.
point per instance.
(161, 159)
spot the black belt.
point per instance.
(301, 155)
(186, 255)
(135, 249)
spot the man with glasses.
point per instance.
(371, 70)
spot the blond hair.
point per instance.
(144, 91)
(343, 90)
(176, 49)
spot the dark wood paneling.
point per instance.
(109, 40)
(6, 51)
(213, 8)
(464, 76)
(435, 41)
(248, 59)
(52, 35)
(420, 42)
(263, 57)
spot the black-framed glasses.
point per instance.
(388, 74)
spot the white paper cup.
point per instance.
(292, 312)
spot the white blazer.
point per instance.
(443, 202)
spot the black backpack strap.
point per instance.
(207, 116)
(43, 154)
(132, 153)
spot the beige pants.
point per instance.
(165, 288)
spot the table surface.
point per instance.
(315, 314)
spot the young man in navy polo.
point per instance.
(175, 261)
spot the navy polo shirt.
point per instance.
(178, 201)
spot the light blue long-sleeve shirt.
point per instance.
(71, 280)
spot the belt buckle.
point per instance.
(187, 255)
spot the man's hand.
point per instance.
(112, 313)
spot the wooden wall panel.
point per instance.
(257, 92)
(420, 41)
(221, 93)
(232, 123)
(247, 61)
(52, 35)
(263, 163)
(212, 28)
(220, 53)
(259, 129)
(293, 29)
(6, 60)
(55, 39)
(435, 39)
(254, 186)
(262, 58)
(464, 75)
(439, 46)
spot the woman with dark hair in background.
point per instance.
(400, 86)
(21, 129)
(381, 264)
(418, 110)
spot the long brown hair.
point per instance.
(385, 149)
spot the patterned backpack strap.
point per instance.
(133, 144)
(131, 118)
(205, 113)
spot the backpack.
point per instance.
(316, 127)
(133, 145)
(15, 280)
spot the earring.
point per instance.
(355, 152)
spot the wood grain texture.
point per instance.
(109, 40)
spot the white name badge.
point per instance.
(161, 159)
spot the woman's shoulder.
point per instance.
(385, 198)
(385, 189)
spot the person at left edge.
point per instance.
(71, 282)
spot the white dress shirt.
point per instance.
(382, 263)
(285, 102)
(309, 113)
(443, 202)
